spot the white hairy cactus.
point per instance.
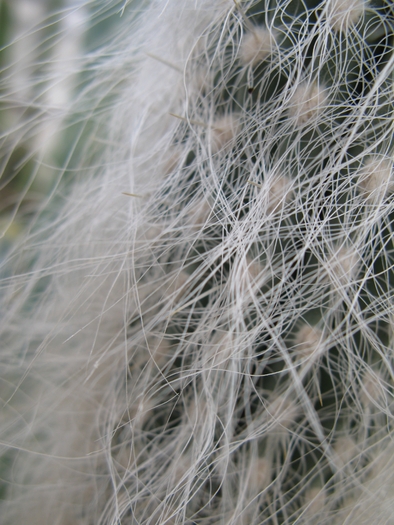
(197, 322)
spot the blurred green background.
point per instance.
(49, 50)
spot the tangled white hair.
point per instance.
(197, 324)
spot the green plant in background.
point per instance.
(205, 335)
(48, 51)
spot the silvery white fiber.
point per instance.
(202, 332)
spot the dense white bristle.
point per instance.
(308, 341)
(343, 14)
(284, 412)
(315, 499)
(307, 102)
(278, 192)
(345, 450)
(373, 393)
(256, 46)
(223, 131)
(344, 265)
(376, 178)
(260, 475)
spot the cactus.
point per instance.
(203, 334)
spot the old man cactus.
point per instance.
(205, 332)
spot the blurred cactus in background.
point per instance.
(197, 325)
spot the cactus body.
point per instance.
(216, 346)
